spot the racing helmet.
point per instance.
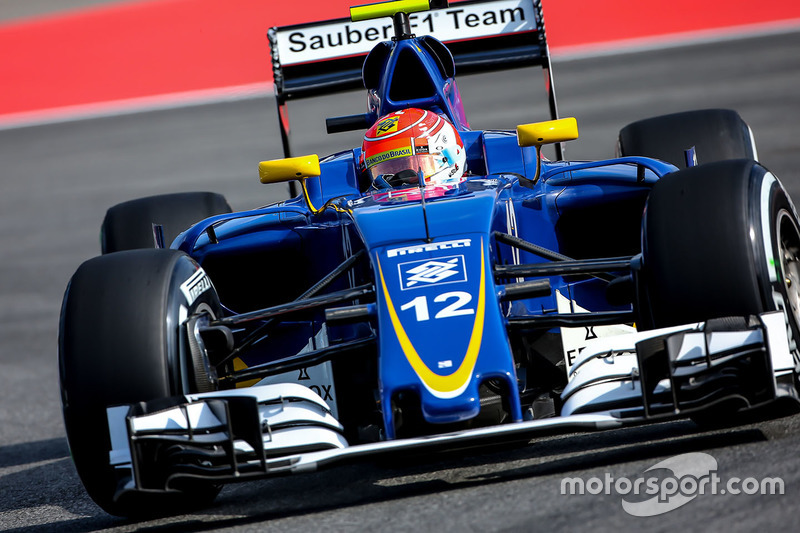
(405, 144)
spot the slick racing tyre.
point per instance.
(700, 258)
(720, 240)
(716, 134)
(121, 342)
(128, 226)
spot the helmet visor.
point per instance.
(426, 163)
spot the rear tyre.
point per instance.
(128, 226)
(716, 134)
(120, 343)
(719, 240)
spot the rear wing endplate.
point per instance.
(483, 35)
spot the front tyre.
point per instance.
(120, 343)
(720, 240)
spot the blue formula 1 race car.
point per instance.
(436, 287)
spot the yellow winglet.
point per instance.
(292, 168)
(550, 132)
(387, 9)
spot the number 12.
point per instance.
(420, 305)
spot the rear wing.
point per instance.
(483, 35)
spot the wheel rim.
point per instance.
(789, 253)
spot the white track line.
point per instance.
(674, 40)
(132, 106)
(262, 90)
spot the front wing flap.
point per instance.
(678, 370)
(278, 429)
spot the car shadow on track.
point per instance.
(407, 476)
(410, 477)
(33, 452)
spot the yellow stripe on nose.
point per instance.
(453, 384)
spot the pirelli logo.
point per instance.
(444, 245)
(196, 285)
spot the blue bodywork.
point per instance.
(442, 331)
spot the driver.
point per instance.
(404, 145)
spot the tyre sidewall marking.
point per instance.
(178, 312)
(774, 204)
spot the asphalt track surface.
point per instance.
(58, 180)
(88, 56)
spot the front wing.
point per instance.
(277, 429)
